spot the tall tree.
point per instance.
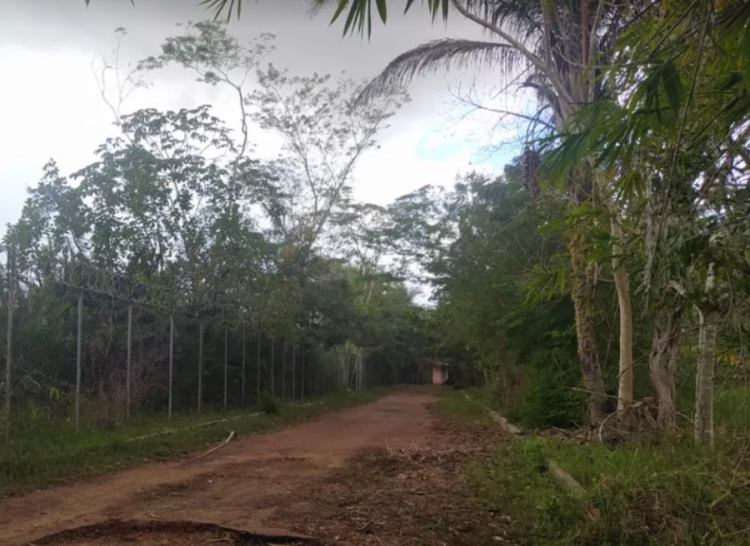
(679, 140)
(557, 48)
(323, 131)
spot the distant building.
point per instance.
(439, 373)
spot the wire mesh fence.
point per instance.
(89, 354)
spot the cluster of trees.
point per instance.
(617, 240)
(638, 184)
(178, 217)
(641, 182)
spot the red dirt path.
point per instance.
(257, 483)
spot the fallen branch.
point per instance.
(314, 402)
(565, 479)
(207, 423)
(229, 419)
(506, 425)
(207, 453)
(727, 494)
(571, 485)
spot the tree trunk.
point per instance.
(591, 370)
(663, 363)
(622, 285)
(704, 377)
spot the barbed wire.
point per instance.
(131, 290)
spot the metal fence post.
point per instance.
(127, 371)
(283, 372)
(200, 363)
(344, 370)
(361, 362)
(171, 365)
(361, 370)
(226, 350)
(302, 375)
(9, 345)
(257, 369)
(294, 374)
(78, 360)
(244, 336)
(273, 368)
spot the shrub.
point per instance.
(550, 400)
(269, 404)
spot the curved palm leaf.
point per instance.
(359, 15)
(439, 55)
(221, 6)
(522, 16)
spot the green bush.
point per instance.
(550, 401)
(269, 404)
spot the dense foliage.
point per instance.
(269, 262)
(616, 240)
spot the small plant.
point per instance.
(269, 404)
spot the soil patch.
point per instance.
(411, 495)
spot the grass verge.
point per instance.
(57, 454)
(640, 493)
(454, 404)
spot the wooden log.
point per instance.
(506, 425)
(563, 478)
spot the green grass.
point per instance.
(643, 494)
(53, 454)
(640, 493)
(454, 404)
(732, 408)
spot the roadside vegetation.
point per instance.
(641, 492)
(54, 453)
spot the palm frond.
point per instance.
(519, 16)
(437, 56)
(522, 18)
(359, 14)
(219, 6)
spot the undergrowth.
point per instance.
(454, 403)
(635, 494)
(40, 455)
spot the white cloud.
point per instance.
(396, 168)
(52, 108)
(46, 113)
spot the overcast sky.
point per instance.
(50, 105)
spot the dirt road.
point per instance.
(286, 480)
